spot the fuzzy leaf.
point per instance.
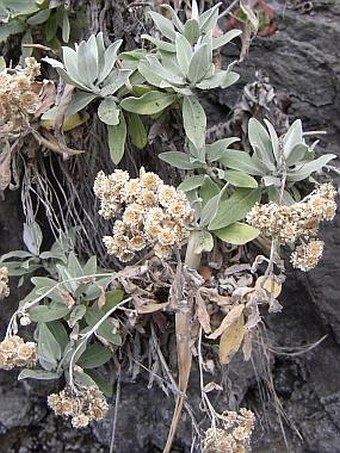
(137, 131)
(149, 104)
(184, 53)
(105, 330)
(179, 160)
(116, 140)
(40, 375)
(194, 120)
(260, 141)
(240, 160)
(199, 64)
(203, 241)
(237, 233)
(44, 313)
(192, 30)
(49, 350)
(240, 179)
(164, 25)
(108, 112)
(224, 39)
(235, 208)
(191, 183)
(306, 168)
(94, 356)
(215, 151)
(292, 137)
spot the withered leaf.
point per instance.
(270, 284)
(151, 308)
(233, 316)
(202, 314)
(231, 340)
(247, 346)
(5, 167)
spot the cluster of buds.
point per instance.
(18, 96)
(83, 405)
(234, 437)
(4, 288)
(297, 222)
(147, 213)
(14, 351)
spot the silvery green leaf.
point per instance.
(115, 81)
(235, 207)
(194, 121)
(49, 350)
(240, 160)
(192, 30)
(145, 69)
(225, 39)
(170, 64)
(155, 73)
(44, 313)
(179, 160)
(149, 104)
(77, 313)
(209, 210)
(87, 62)
(94, 356)
(274, 139)
(296, 154)
(79, 100)
(292, 137)
(208, 20)
(191, 183)
(33, 237)
(274, 194)
(178, 24)
(39, 18)
(161, 45)
(41, 375)
(137, 132)
(70, 58)
(221, 79)
(237, 233)
(101, 52)
(108, 111)
(116, 140)
(216, 150)
(194, 10)
(66, 29)
(203, 241)
(183, 53)
(164, 25)
(199, 63)
(271, 181)
(209, 189)
(110, 60)
(240, 179)
(261, 143)
(305, 169)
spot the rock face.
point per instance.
(303, 64)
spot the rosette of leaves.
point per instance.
(90, 67)
(20, 16)
(182, 63)
(68, 309)
(228, 182)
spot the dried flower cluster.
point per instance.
(16, 352)
(4, 289)
(150, 213)
(298, 222)
(18, 97)
(82, 406)
(234, 437)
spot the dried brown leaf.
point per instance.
(151, 308)
(202, 314)
(233, 316)
(5, 167)
(231, 340)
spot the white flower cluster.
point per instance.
(4, 288)
(299, 222)
(82, 406)
(16, 352)
(234, 437)
(148, 213)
